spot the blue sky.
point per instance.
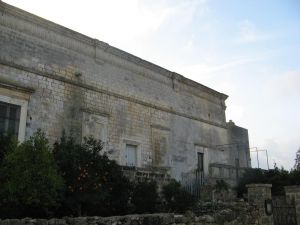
(247, 49)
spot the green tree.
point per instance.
(95, 185)
(176, 198)
(7, 143)
(30, 183)
(297, 160)
(221, 185)
(145, 197)
(277, 177)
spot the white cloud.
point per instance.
(215, 66)
(248, 32)
(285, 85)
(115, 21)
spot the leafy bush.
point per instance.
(297, 160)
(30, 183)
(277, 177)
(7, 143)
(95, 184)
(221, 185)
(295, 177)
(145, 197)
(177, 199)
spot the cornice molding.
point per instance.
(102, 52)
(8, 84)
(55, 76)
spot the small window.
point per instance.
(9, 119)
(200, 166)
(131, 155)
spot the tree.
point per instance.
(176, 198)
(30, 183)
(297, 160)
(7, 143)
(277, 177)
(145, 197)
(95, 184)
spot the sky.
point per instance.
(249, 50)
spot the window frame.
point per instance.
(23, 114)
(135, 149)
(138, 152)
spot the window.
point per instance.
(13, 113)
(200, 166)
(9, 119)
(96, 126)
(131, 155)
(13, 109)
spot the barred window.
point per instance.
(131, 155)
(9, 119)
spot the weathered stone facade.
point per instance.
(292, 193)
(64, 80)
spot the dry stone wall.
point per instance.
(246, 215)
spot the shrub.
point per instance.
(221, 185)
(145, 197)
(277, 177)
(95, 184)
(7, 143)
(177, 199)
(30, 183)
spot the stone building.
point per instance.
(56, 79)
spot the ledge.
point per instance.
(258, 185)
(8, 84)
(292, 189)
(104, 91)
(94, 44)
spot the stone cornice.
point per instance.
(101, 51)
(55, 76)
(8, 84)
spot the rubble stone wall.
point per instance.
(247, 215)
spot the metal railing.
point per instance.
(193, 181)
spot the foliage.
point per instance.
(145, 197)
(295, 177)
(221, 185)
(30, 183)
(7, 143)
(277, 177)
(177, 199)
(95, 184)
(297, 160)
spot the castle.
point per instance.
(56, 79)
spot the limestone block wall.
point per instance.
(85, 86)
(246, 215)
(293, 193)
(257, 194)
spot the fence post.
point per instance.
(257, 194)
(293, 193)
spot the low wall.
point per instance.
(242, 214)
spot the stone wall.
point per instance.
(85, 86)
(293, 193)
(242, 215)
(257, 194)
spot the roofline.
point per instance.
(49, 25)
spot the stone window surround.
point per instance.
(24, 105)
(200, 148)
(102, 119)
(138, 154)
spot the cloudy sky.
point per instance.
(247, 49)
